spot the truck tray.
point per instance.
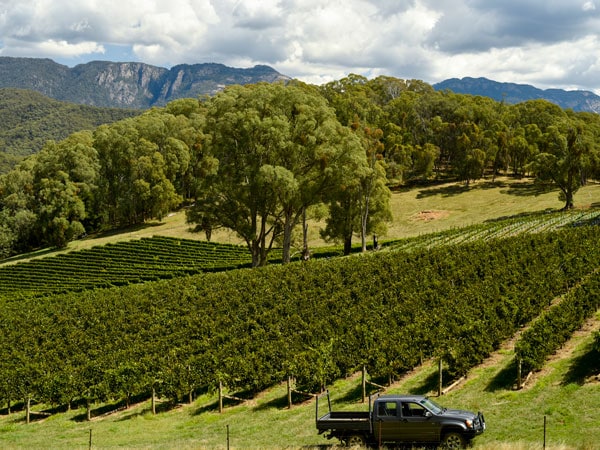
(340, 420)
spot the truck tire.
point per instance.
(453, 441)
(356, 440)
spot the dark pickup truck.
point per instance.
(401, 419)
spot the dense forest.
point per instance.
(28, 120)
(262, 159)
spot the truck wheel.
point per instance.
(453, 441)
(356, 440)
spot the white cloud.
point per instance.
(543, 42)
(589, 6)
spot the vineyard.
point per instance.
(159, 257)
(122, 263)
(531, 223)
(314, 321)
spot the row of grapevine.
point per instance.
(127, 262)
(315, 321)
(556, 325)
(151, 259)
(534, 223)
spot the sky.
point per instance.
(546, 43)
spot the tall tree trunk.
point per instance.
(348, 244)
(305, 249)
(287, 242)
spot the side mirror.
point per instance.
(428, 414)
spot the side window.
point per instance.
(387, 409)
(410, 409)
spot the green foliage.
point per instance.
(279, 148)
(123, 263)
(258, 159)
(28, 120)
(316, 321)
(556, 325)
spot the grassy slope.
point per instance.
(446, 206)
(563, 391)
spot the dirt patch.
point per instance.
(431, 214)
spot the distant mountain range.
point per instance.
(515, 93)
(125, 85)
(140, 86)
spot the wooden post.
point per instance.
(544, 447)
(519, 373)
(440, 379)
(88, 410)
(220, 397)
(191, 392)
(364, 383)
(90, 446)
(289, 392)
(153, 400)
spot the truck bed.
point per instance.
(341, 420)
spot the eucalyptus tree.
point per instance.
(565, 151)
(17, 216)
(133, 175)
(352, 99)
(360, 203)
(278, 148)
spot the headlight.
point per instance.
(469, 423)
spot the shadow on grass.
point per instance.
(282, 402)
(214, 406)
(444, 191)
(321, 447)
(431, 383)
(583, 367)
(523, 215)
(529, 189)
(127, 229)
(460, 188)
(505, 379)
(355, 394)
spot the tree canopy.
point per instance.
(256, 159)
(279, 149)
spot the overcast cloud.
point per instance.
(547, 43)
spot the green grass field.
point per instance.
(566, 392)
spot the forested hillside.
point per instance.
(28, 120)
(263, 159)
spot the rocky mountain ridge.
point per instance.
(125, 84)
